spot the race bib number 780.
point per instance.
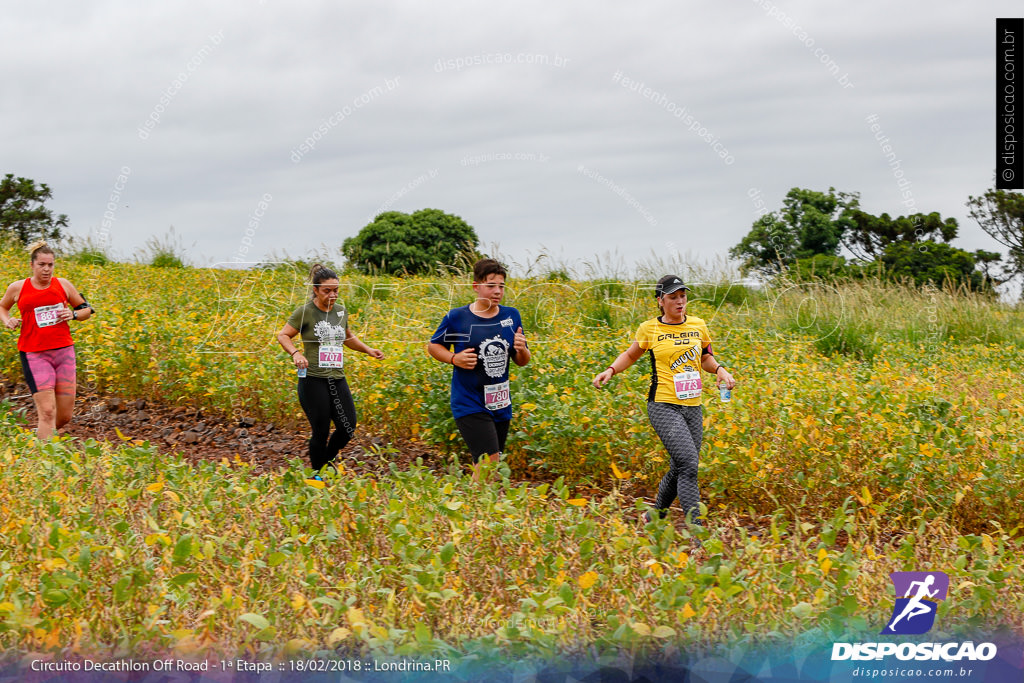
(496, 396)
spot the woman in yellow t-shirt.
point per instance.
(678, 346)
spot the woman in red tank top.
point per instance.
(46, 304)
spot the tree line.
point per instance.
(810, 234)
(813, 234)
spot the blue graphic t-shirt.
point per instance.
(486, 387)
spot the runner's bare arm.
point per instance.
(284, 338)
(721, 373)
(76, 300)
(356, 344)
(439, 352)
(9, 299)
(620, 364)
(465, 359)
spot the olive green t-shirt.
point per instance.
(323, 336)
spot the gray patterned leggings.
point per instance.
(680, 429)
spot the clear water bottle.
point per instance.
(724, 393)
(301, 372)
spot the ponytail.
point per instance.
(40, 247)
(317, 274)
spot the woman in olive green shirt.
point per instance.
(323, 393)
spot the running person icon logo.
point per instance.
(917, 600)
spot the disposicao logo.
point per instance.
(914, 612)
(917, 599)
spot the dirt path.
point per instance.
(198, 436)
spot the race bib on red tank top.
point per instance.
(41, 326)
(48, 315)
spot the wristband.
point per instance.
(612, 368)
(452, 359)
(292, 354)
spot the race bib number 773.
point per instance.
(687, 384)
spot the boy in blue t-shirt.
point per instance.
(478, 340)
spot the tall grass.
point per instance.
(87, 251)
(164, 252)
(859, 317)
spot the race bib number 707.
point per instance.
(331, 356)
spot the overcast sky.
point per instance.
(582, 129)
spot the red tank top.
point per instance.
(40, 330)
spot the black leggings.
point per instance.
(325, 400)
(482, 434)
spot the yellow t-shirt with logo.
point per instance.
(675, 352)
